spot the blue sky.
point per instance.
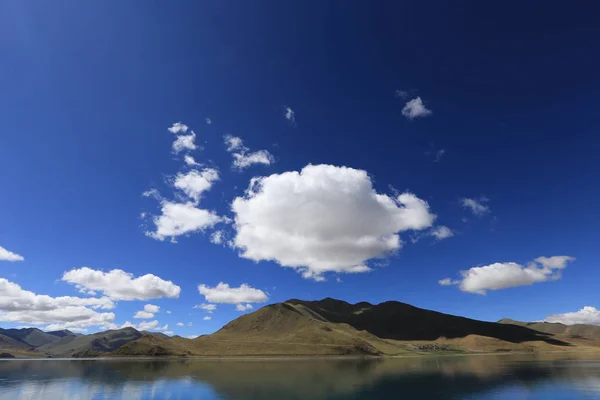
(467, 102)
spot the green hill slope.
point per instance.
(91, 345)
(576, 331)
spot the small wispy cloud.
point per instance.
(477, 207)
(442, 232)
(415, 109)
(402, 94)
(289, 114)
(242, 157)
(208, 121)
(6, 255)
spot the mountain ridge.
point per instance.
(316, 328)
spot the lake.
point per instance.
(542, 376)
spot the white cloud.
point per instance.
(403, 94)
(242, 157)
(506, 275)
(289, 114)
(179, 324)
(148, 312)
(223, 293)
(151, 308)
(234, 143)
(442, 232)
(243, 307)
(217, 237)
(476, 207)
(301, 220)
(22, 306)
(178, 219)
(145, 325)
(194, 183)
(439, 154)
(143, 315)
(206, 307)
(190, 323)
(587, 315)
(184, 142)
(120, 285)
(192, 336)
(207, 318)
(168, 311)
(189, 160)
(6, 255)
(557, 262)
(448, 282)
(244, 160)
(208, 121)
(415, 108)
(178, 127)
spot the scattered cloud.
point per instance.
(168, 311)
(438, 154)
(442, 232)
(477, 207)
(179, 324)
(587, 315)
(448, 282)
(178, 127)
(506, 275)
(217, 237)
(300, 220)
(190, 323)
(151, 308)
(178, 219)
(243, 307)
(289, 114)
(415, 109)
(192, 336)
(189, 160)
(242, 157)
(120, 285)
(6, 255)
(194, 183)
(207, 318)
(143, 315)
(206, 307)
(148, 312)
(208, 121)
(22, 306)
(223, 293)
(403, 94)
(184, 142)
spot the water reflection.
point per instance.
(469, 377)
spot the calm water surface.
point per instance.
(467, 377)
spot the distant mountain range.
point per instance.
(324, 327)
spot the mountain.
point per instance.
(400, 321)
(6, 342)
(334, 327)
(32, 337)
(62, 333)
(91, 345)
(574, 331)
(316, 328)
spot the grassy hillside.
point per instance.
(574, 331)
(31, 336)
(333, 327)
(277, 329)
(400, 321)
(91, 345)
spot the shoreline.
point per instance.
(297, 358)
